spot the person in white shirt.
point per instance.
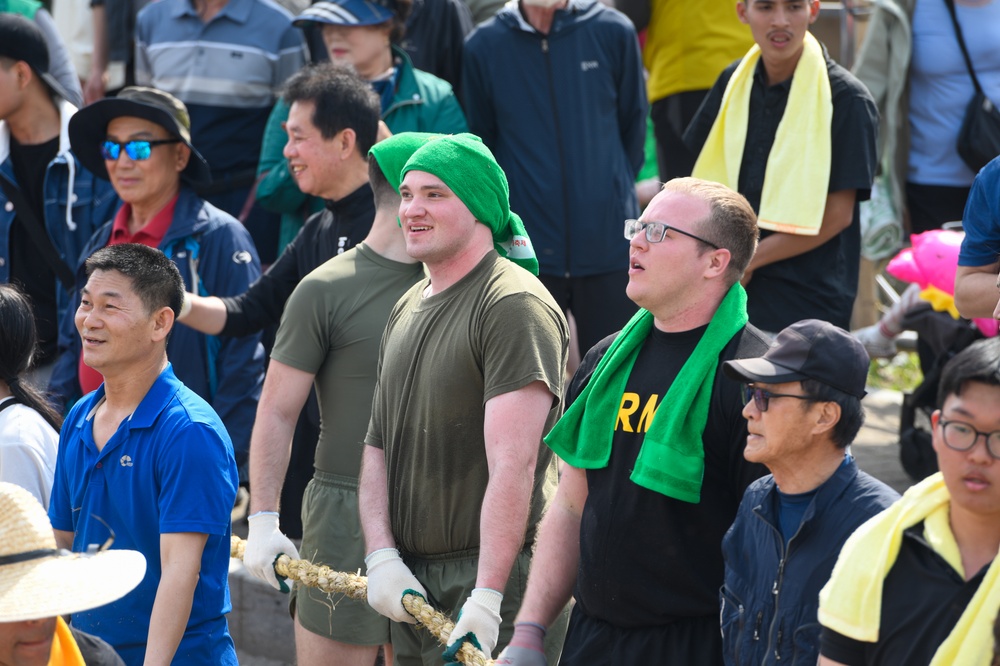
(29, 426)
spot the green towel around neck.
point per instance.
(672, 458)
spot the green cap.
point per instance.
(469, 169)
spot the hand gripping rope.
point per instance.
(355, 586)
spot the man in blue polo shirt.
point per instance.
(226, 60)
(146, 463)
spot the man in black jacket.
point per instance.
(803, 408)
(329, 105)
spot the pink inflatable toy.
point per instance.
(932, 262)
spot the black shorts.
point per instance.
(688, 642)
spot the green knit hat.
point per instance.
(392, 153)
(468, 167)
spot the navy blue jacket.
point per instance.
(226, 372)
(770, 597)
(565, 115)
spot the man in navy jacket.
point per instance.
(564, 111)
(803, 408)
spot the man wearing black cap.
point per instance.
(803, 408)
(141, 141)
(49, 203)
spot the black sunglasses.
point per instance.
(762, 397)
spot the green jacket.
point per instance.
(422, 103)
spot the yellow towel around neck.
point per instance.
(851, 601)
(65, 651)
(797, 175)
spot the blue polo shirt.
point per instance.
(168, 468)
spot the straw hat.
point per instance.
(39, 581)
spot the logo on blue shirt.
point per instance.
(126, 461)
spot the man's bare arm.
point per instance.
(373, 501)
(512, 431)
(285, 392)
(557, 551)
(837, 217)
(180, 561)
(207, 314)
(976, 290)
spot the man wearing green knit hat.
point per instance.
(454, 475)
(653, 442)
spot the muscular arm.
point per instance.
(976, 290)
(512, 431)
(837, 217)
(180, 559)
(285, 392)
(557, 551)
(373, 501)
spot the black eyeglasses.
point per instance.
(136, 150)
(761, 397)
(961, 436)
(655, 231)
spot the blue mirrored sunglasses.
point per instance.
(136, 150)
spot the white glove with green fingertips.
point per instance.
(389, 579)
(478, 623)
(265, 543)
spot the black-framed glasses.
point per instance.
(655, 232)
(961, 436)
(762, 397)
(136, 150)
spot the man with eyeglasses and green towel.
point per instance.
(141, 142)
(803, 408)
(920, 582)
(653, 444)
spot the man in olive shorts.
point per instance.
(329, 335)
(454, 478)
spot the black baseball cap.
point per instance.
(808, 349)
(20, 39)
(88, 128)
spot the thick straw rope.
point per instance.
(355, 586)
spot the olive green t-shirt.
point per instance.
(443, 357)
(332, 327)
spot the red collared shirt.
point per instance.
(150, 235)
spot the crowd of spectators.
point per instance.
(203, 207)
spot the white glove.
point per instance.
(478, 623)
(265, 543)
(388, 580)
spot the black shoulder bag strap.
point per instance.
(961, 44)
(8, 403)
(37, 233)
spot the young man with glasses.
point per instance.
(918, 583)
(141, 142)
(803, 408)
(653, 444)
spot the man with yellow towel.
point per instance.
(795, 133)
(920, 582)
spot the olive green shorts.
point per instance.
(331, 535)
(449, 580)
